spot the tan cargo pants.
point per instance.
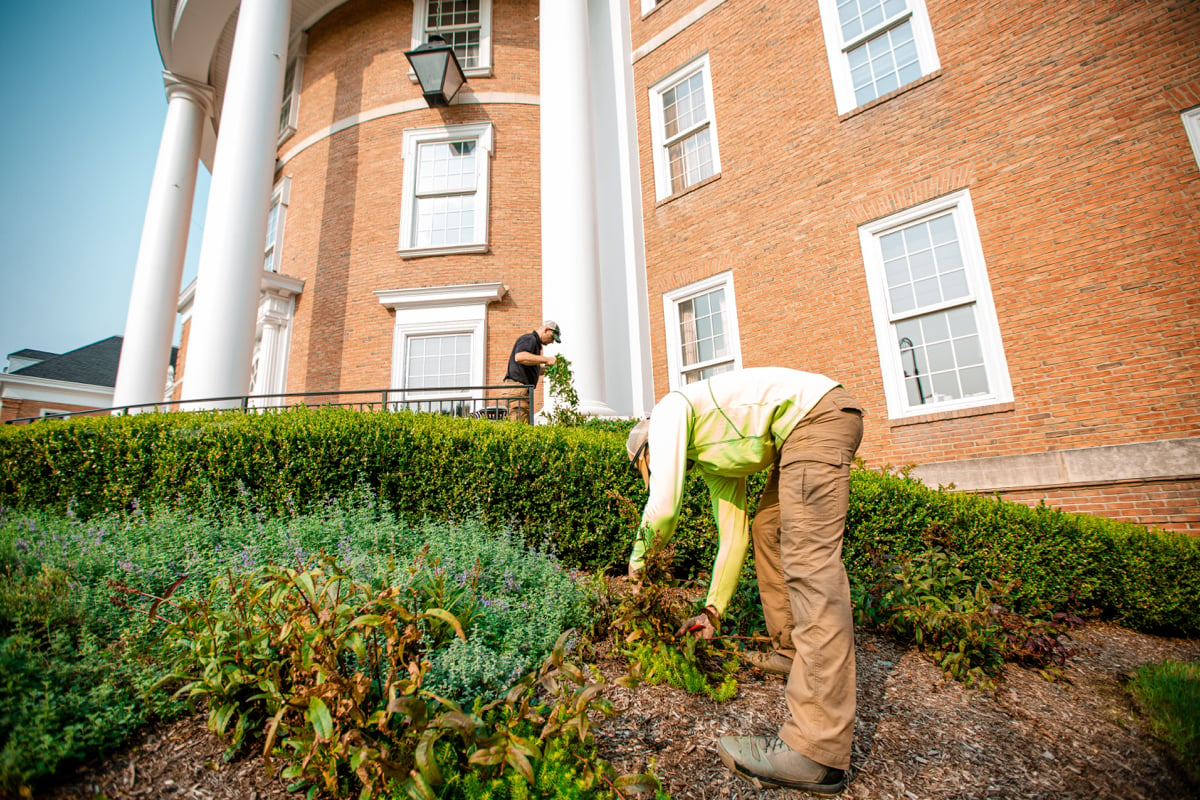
(516, 397)
(797, 535)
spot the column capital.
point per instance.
(201, 94)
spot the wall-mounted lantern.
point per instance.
(437, 69)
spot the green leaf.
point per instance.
(319, 717)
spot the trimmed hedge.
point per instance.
(571, 490)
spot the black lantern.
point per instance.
(437, 70)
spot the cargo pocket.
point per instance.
(833, 456)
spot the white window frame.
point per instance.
(439, 310)
(1191, 124)
(650, 5)
(671, 301)
(273, 249)
(838, 50)
(999, 384)
(658, 130)
(484, 68)
(296, 63)
(413, 139)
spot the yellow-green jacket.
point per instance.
(727, 427)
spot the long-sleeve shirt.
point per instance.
(727, 427)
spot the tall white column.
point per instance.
(221, 340)
(570, 254)
(150, 322)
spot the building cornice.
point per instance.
(442, 295)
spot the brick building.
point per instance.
(981, 218)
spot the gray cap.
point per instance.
(638, 438)
(553, 326)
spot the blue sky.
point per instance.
(81, 86)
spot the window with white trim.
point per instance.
(683, 129)
(1191, 124)
(445, 204)
(439, 342)
(876, 46)
(465, 24)
(273, 249)
(293, 77)
(702, 331)
(935, 322)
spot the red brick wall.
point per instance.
(1170, 505)
(342, 226)
(11, 408)
(1063, 122)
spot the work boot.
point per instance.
(769, 759)
(774, 662)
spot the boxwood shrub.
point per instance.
(571, 491)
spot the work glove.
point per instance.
(704, 625)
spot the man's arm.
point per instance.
(667, 445)
(733, 538)
(529, 359)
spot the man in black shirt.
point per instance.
(525, 367)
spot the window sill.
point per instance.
(699, 184)
(878, 101)
(958, 413)
(422, 252)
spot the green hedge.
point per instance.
(570, 490)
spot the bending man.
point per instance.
(808, 428)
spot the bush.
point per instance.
(59, 576)
(569, 490)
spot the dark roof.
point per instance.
(40, 355)
(94, 364)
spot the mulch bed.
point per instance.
(917, 737)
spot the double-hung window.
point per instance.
(935, 323)
(702, 332)
(445, 204)
(1191, 124)
(293, 77)
(683, 129)
(273, 249)
(876, 46)
(466, 25)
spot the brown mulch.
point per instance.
(917, 737)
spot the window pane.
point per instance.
(441, 221)
(930, 253)
(941, 356)
(459, 23)
(683, 105)
(690, 161)
(439, 361)
(702, 328)
(446, 166)
(884, 62)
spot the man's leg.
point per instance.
(516, 397)
(814, 490)
(768, 566)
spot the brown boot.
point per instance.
(774, 662)
(770, 760)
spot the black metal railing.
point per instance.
(482, 402)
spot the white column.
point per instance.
(150, 322)
(230, 272)
(570, 254)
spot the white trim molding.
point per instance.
(671, 301)
(415, 138)
(914, 20)
(961, 354)
(483, 69)
(1191, 124)
(440, 310)
(690, 132)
